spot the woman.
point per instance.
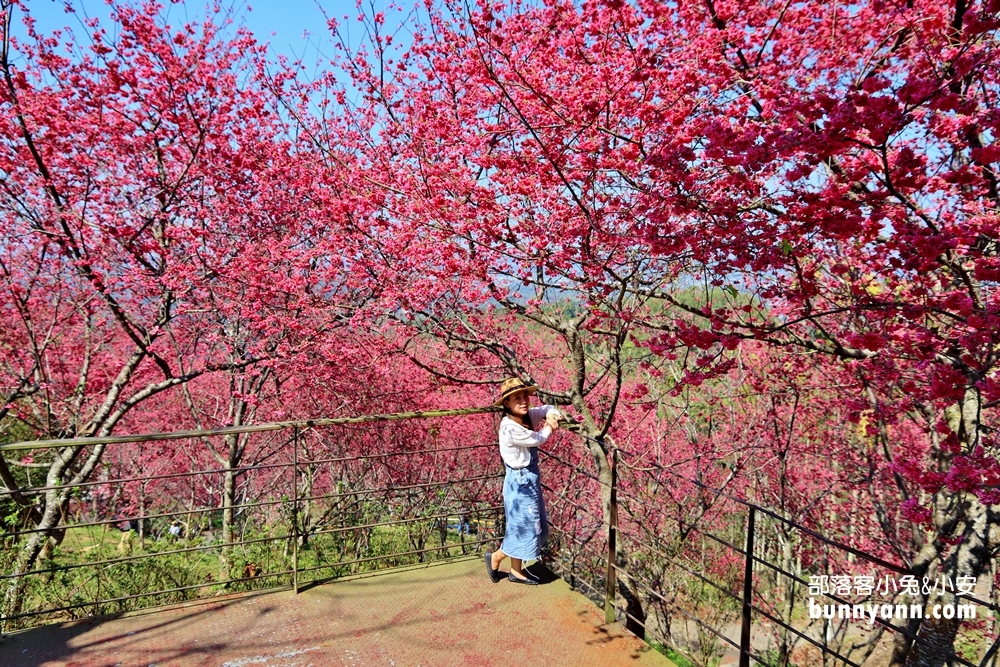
(527, 525)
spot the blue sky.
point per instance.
(298, 26)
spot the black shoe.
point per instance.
(529, 580)
(494, 574)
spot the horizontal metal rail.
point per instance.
(144, 517)
(564, 499)
(708, 534)
(841, 601)
(257, 466)
(248, 428)
(147, 556)
(406, 487)
(809, 639)
(29, 490)
(577, 469)
(571, 536)
(367, 457)
(697, 575)
(621, 493)
(414, 552)
(242, 579)
(698, 621)
(97, 569)
(204, 510)
(211, 547)
(755, 608)
(578, 577)
(347, 529)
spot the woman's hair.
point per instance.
(505, 413)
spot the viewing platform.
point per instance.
(441, 614)
(309, 554)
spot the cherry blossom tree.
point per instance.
(840, 171)
(620, 200)
(824, 174)
(504, 243)
(150, 230)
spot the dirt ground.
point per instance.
(432, 616)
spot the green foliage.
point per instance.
(677, 658)
(13, 430)
(771, 658)
(262, 560)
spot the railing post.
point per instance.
(747, 593)
(609, 593)
(295, 511)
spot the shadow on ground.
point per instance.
(442, 615)
(542, 573)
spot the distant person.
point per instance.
(175, 530)
(524, 507)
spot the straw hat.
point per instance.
(512, 386)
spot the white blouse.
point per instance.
(516, 439)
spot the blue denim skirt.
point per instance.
(527, 523)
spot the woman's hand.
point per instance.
(552, 419)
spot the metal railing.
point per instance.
(617, 550)
(296, 512)
(314, 513)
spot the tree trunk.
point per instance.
(305, 517)
(55, 500)
(235, 446)
(228, 500)
(29, 555)
(142, 516)
(978, 526)
(634, 607)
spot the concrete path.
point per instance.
(439, 615)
